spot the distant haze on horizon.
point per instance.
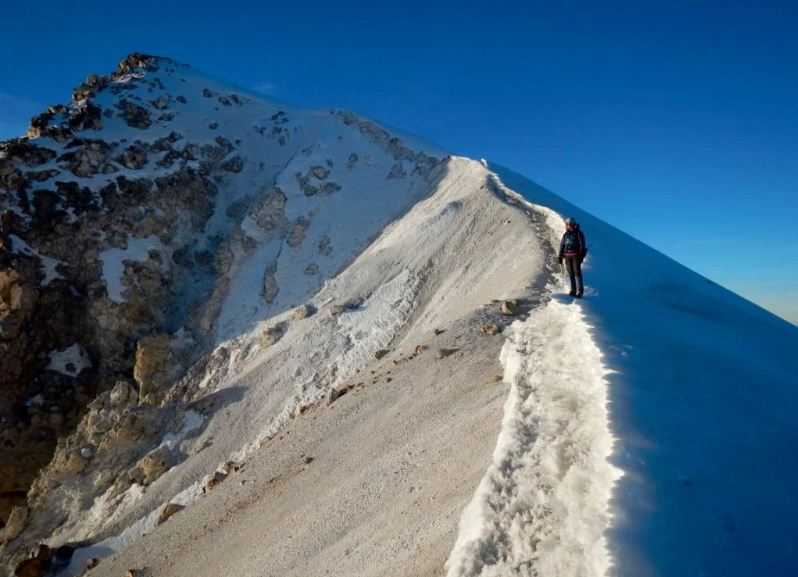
(677, 123)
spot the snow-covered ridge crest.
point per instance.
(542, 507)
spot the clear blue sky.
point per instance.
(676, 122)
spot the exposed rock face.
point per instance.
(169, 510)
(156, 367)
(123, 224)
(16, 523)
(69, 206)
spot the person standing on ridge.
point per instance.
(573, 250)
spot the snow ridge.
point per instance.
(542, 506)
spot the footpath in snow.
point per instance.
(688, 389)
(542, 507)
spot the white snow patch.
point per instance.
(48, 263)
(113, 260)
(192, 420)
(71, 361)
(542, 506)
(106, 509)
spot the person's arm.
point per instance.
(562, 248)
(584, 244)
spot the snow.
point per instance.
(649, 430)
(113, 262)
(192, 421)
(350, 217)
(107, 508)
(48, 263)
(542, 507)
(70, 361)
(702, 397)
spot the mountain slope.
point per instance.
(702, 402)
(298, 327)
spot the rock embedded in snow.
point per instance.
(273, 334)
(303, 311)
(153, 465)
(509, 308)
(490, 329)
(213, 480)
(169, 510)
(135, 116)
(270, 286)
(134, 157)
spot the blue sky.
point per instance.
(677, 121)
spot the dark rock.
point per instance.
(490, 329)
(23, 151)
(135, 62)
(89, 117)
(134, 157)
(42, 175)
(509, 308)
(169, 510)
(235, 164)
(161, 103)
(135, 115)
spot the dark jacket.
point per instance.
(573, 244)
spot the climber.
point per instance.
(573, 250)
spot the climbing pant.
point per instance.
(574, 266)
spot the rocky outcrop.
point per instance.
(120, 238)
(70, 206)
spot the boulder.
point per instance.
(213, 480)
(509, 308)
(270, 287)
(135, 116)
(490, 329)
(168, 511)
(122, 394)
(303, 311)
(134, 157)
(153, 465)
(296, 235)
(273, 334)
(443, 353)
(153, 364)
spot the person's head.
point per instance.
(570, 223)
